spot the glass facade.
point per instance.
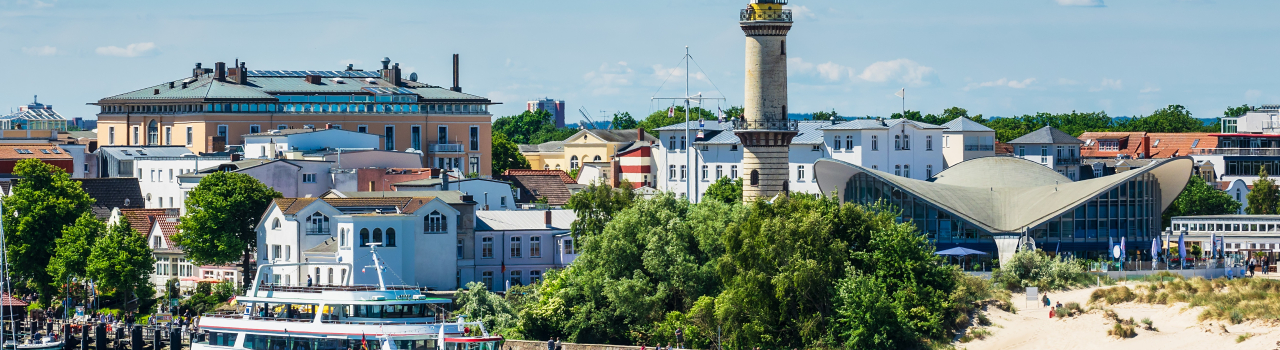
(1130, 209)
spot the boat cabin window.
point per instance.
(222, 338)
(269, 342)
(393, 311)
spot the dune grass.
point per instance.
(1236, 301)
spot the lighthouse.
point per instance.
(764, 129)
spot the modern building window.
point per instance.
(111, 135)
(475, 138)
(535, 247)
(415, 137)
(318, 223)
(835, 143)
(308, 178)
(928, 143)
(515, 247)
(875, 143)
(435, 223)
(222, 130)
(255, 128)
(190, 138)
(389, 134)
(486, 247)
(364, 237)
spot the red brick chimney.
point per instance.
(640, 134)
(1146, 146)
(548, 218)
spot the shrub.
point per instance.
(1147, 324)
(1121, 331)
(1074, 308)
(1241, 338)
(983, 320)
(1035, 268)
(1113, 295)
(980, 333)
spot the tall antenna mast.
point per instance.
(690, 184)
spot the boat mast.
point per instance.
(377, 265)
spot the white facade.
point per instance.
(965, 139)
(917, 152)
(1239, 190)
(489, 194)
(158, 178)
(79, 159)
(1239, 234)
(416, 238)
(273, 142)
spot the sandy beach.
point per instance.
(1031, 328)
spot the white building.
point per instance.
(907, 148)
(1240, 234)
(328, 241)
(1246, 144)
(157, 169)
(965, 139)
(519, 247)
(273, 143)
(491, 194)
(1052, 148)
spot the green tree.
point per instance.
(531, 128)
(820, 115)
(1171, 119)
(1233, 112)
(1264, 197)
(479, 304)
(73, 248)
(596, 205)
(222, 212)
(120, 264)
(44, 202)
(623, 121)
(1199, 198)
(660, 119)
(506, 155)
(725, 190)
(865, 319)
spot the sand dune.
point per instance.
(1177, 328)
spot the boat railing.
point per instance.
(274, 287)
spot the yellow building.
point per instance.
(587, 146)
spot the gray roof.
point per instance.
(112, 192)
(265, 84)
(450, 197)
(609, 135)
(858, 124)
(83, 134)
(1008, 194)
(965, 124)
(286, 132)
(433, 182)
(134, 152)
(512, 220)
(329, 246)
(810, 132)
(1229, 217)
(922, 125)
(694, 125)
(549, 146)
(1047, 135)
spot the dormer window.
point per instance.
(317, 224)
(435, 223)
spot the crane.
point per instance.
(587, 116)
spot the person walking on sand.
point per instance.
(1046, 300)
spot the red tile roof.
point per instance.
(141, 220)
(524, 172)
(1163, 145)
(7, 300)
(32, 150)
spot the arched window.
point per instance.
(573, 163)
(342, 237)
(875, 143)
(153, 132)
(596, 159)
(275, 224)
(364, 237)
(330, 276)
(391, 237)
(906, 170)
(835, 145)
(318, 223)
(755, 177)
(897, 170)
(435, 223)
(557, 166)
(546, 167)
(377, 235)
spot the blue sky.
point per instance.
(997, 58)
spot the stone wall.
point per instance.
(542, 345)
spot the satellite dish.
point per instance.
(413, 76)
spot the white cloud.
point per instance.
(132, 50)
(801, 12)
(1003, 82)
(830, 71)
(1086, 3)
(40, 50)
(608, 79)
(1108, 84)
(664, 73)
(1149, 89)
(904, 70)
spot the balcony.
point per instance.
(743, 124)
(1066, 161)
(773, 15)
(979, 147)
(1238, 151)
(446, 148)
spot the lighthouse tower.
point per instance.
(765, 131)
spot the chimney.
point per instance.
(220, 71)
(394, 75)
(1146, 146)
(455, 88)
(351, 67)
(386, 63)
(640, 134)
(444, 184)
(171, 85)
(195, 73)
(467, 198)
(155, 91)
(548, 218)
(242, 75)
(328, 126)
(313, 79)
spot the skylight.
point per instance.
(1195, 143)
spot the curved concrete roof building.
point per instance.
(978, 202)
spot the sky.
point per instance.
(995, 57)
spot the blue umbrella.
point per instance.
(1182, 247)
(960, 251)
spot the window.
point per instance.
(168, 135)
(928, 171)
(672, 144)
(461, 245)
(515, 247)
(1022, 151)
(435, 223)
(377, 236)
(684, 173)
(391, 237)
(318, 223)
(719, 171)
(309, 178)
(706, 172)
(755, 177)
(342, 237)
(487, 278)
(330, 276)
(568, 246)
(573, 163)
(906, 170)
(486, 247)
(364, 237)
(111, 135)
(835, 143)
(475, 138)
(275, 224)
(799, 173)
(288, 253)
(415, 137)
(390, 135)
(928, 143)
(816, 148)
(475, 164)
(875, 143)
(442, 134)
(535, 276)
(515, 277)
(189, 135)
(897, 142)
(222, 130)
(733, 148)
(362, 129)
(672, 170)
(897, 170)
(535, 247)
(255, 128)
(136, 140)
(733, 172)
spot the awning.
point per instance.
(960, 251)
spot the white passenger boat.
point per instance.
(341, 318)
